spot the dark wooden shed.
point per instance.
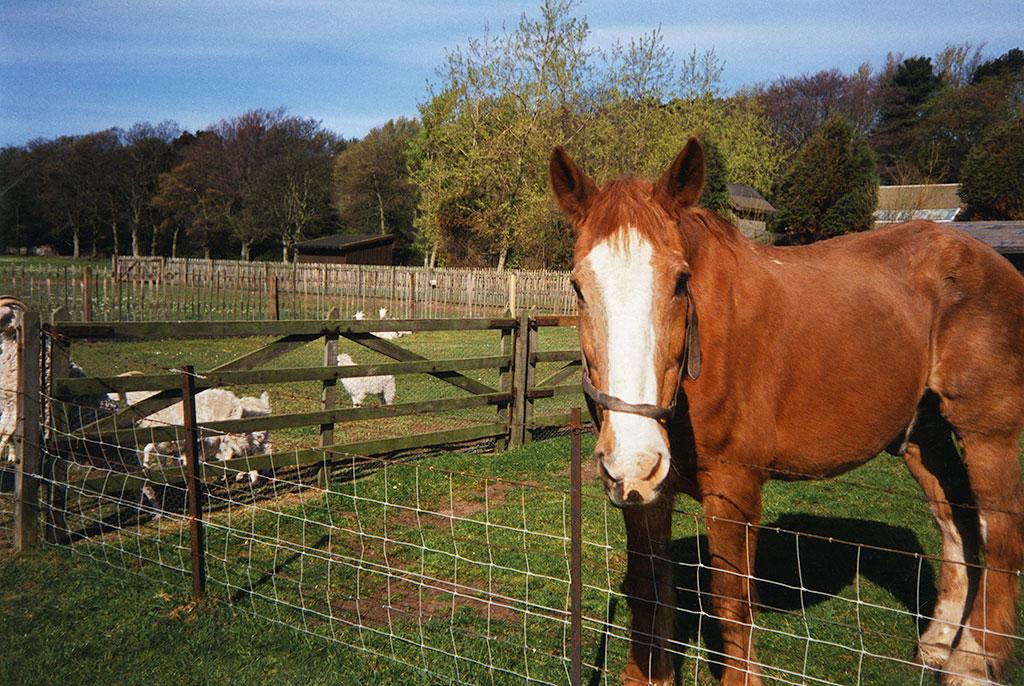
(1007, 237)
(347, 249)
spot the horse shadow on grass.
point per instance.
(802, 560)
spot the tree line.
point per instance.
(465, 183)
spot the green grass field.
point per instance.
(450, 568)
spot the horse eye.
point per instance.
(681, 282)
(576, 287)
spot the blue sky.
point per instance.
(75, 66)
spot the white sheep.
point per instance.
(11, 314)
(361, 386)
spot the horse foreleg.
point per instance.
(987, 640)
(932, 459)
(732, 511)
(649, 594)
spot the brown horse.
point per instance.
(808, 362)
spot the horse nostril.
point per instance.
(634, 497)
(657, 466)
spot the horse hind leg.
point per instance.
(933, 460)
(988, 637)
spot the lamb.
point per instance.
(251, 443)
(382, 313)
(213, 404)
(361, 386)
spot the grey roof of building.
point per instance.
(1007, 237)
(344, 240)
(746, 198)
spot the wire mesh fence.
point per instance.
(453, 564)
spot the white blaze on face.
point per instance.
(624, 279)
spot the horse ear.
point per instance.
(572, 188)
(682, 184)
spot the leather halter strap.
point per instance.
(691, 362)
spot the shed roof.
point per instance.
(1007, 237)
(934, 201)
(746, 198)
(344, 240)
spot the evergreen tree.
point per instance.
(992, 185)
(831, 189)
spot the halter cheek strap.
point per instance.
(691, 362)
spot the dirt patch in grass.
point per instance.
(420, 600)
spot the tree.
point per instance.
(487, 131)
(76, 175)
(831, 189)
(257, 177)
(902, 101)
(298, 180)
(147, 153)
(956, 65)
(951, 124)
(992, 185)
(798, 106)
(373, 192)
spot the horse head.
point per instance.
(637, 315)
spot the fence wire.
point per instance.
(453, 567)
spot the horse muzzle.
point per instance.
(633, 479)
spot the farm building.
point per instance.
(751, 209)
(1007, 237)
(937, 202)
(348, 249)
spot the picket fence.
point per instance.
(157, 288)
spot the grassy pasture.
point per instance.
(452, 568)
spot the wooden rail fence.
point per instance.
(101, 455)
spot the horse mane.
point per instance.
(629, 201)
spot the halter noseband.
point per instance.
(691, 362)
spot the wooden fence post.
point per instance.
(27, 443)
(512, 293)
(327, 397)
(87, 295)
(195, 509)
(272, 297)
(532, 334)
(517, 422)
(506, 347)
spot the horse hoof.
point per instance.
(932, 655)
(632, 676)
(966, 668)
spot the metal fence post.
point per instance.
(195, 510)
(27, 444)
(56, 421)
(576, 559)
